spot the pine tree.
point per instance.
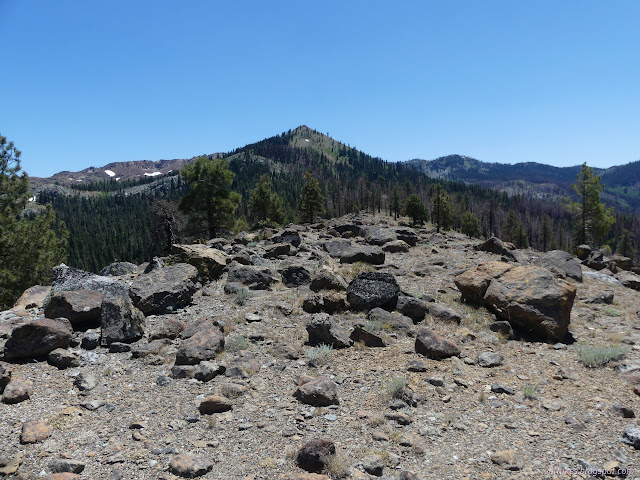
(312, 199)
(264, 204)
(415, 209)
(30, 245)
(395, 203)
(209, 200)
(471, 225)
(441, 213)
(546, 232)
(513, 231)
(593, 219)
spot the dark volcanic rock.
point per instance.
(561, 263)
(204, 344)
(493, 245)
(442, 312)
(337, 248)
(62, 359)
(379, 236)
(69, 278)
(37, 338)
(372, 289)
(80, 307)
(391, 321)
(365, 254)
(295, 275)
(165, 290)
(252, 277)
(396, 246)
(277, 250)
(368, 338)
(329, 302)
(412, 307)
(322, 330)
(433, 346)
(407, 235)
(120, 321)
(314, 456)
(210, 262)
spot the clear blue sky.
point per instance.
(85, 83)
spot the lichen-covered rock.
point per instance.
(561, 263)
(210, 262)
(372, 289)
(323, 331)
(326, 279)
(204, 344)
(119, 268)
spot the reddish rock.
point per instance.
(34, 431)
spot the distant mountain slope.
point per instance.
(622, 183)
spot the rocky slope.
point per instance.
(355, 349)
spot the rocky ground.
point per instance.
(163, 399)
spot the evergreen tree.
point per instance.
(312, 199)
(209, 199)
(546, 232)
(395, 203)
(593, 219)
(264, 204)
(415, 209)
(513, 231)
(625, 246)
(471, 225)
(30, 245)
(441, 213)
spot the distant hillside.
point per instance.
(534, 179)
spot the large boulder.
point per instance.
(33, 297)
(164, 290)
(210, 262)
(396, 246)
(621, 262)
(407, 235)
(119, 268)
(120, 321)
(379, 236)
(561, 263)
(391, 321)
(337, 248)
(329, 302)
(326, 279)
(288, 236)
(69, 278)
(363, 253)
(493, 245)
(204, 344)
(373, 289)
(412, 307)
(598, 261)
(277, 250)
(531, 298)
(252, 277)
(295, 275)
(434, 346)
(38, 338)
(80, 307)
(323, 331)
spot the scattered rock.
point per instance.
(364, 254)
(63, 359)
(490, 359)
(628, 279)
(166, 328)
(396, 246)
(215, 404)
(204, 344)
(328, 302)
(561, 263)
(442, 312)
(188, 466)
(433, 346)
(252, 277)
(295, 275)
(391, 321)
(322, 330)
(414, 308)
(16, 391)
(315, 455)
(325, 279)
(34, 431)
(506, 459)
(369, 338)
(61, 465)
(631, 436)
(320, 392)
(210, 262)
(38, 338)
(5, 376)
(119, 268)
(209, 370)
(85, 382)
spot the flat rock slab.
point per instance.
(365, 254)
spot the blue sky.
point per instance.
(88, 83)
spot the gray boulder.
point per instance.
(210, 262)
(561, 263)
(277, 250)
(442, 312)
(38, 338)
(379, 236)
(252, 277)
(337, 248)
(412, 307)
(373, 289)
(322, 330)
(315, 456)
(319, 392)
(120, 321)
(365, 254)
(391, 321)
(69, 278)
(367, 336)
(407, 235)
(628, 279)
(325, 279)
(165, 290)
(204, 344)
(432, 345)
(396, 246)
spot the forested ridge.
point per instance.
(112, 225)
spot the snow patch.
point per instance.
(32, 199)
(118, 178)
(110, 173)
(152, 174)
(306, 139)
